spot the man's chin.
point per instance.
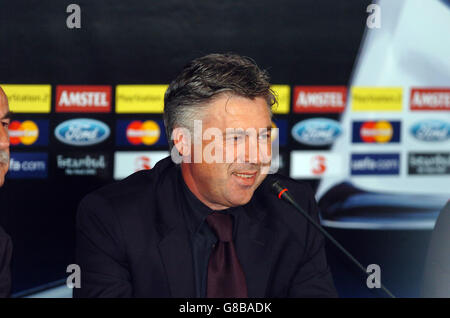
(241, 199)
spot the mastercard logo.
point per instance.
(147, 132)
(26, 132)
(376, 132)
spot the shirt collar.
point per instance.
(198, 211)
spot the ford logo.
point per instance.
(82, 132)
(316, 131)
(431, 130)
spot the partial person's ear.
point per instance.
(182, 140)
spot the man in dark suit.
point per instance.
(5, 240)
(203, 222)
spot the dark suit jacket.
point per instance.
(5, 259)
(132, 241)
(436, 280)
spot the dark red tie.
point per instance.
(226, 278)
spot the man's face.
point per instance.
(233, 181)
(4, 136)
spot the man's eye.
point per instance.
(235, 138)
(5, 124)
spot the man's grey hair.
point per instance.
(204, 79)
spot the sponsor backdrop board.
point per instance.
(88, 112)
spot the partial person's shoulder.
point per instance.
(280, 214)
(139, 186)
(132, 186)
(3, 234)
(300, 190)
(5, 240)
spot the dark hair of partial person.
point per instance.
(207, 77)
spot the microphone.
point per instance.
(282, 192)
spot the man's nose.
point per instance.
(4, 138)
(252, 150)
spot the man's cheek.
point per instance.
(3, 170)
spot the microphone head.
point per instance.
(276, 186)
(272, 184)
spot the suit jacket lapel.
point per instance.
(254, 249)
(174, 246)
(177, 258)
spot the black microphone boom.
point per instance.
(283, 193)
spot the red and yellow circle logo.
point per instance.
(147, 132)
(379, 132)
(25, 133)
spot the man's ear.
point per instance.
(182, 140)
